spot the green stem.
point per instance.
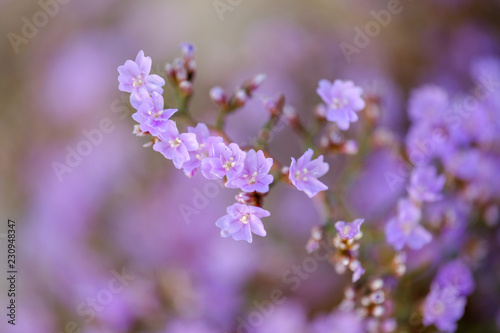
(221, 119)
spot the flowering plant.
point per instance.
(435, 153)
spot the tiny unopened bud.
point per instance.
(313, 242)
(275, 105)
(377, 297)
(312, 245)
(218, 95)
(354, 264)
(188, 50)
(324, 142)
(255, 82)
(290, 114)
(177, 64)
(320, 111)
(181, 74)
(186, 88)
(191, 66)
(340, 268)
(376, 284)
(137, 131)
(317, 233)
(240, 97)
(243, 198)
(336, 138)
(378, 311)
(169, 70)
(350, 147)
(400, 270)
(365, 301)
(285, 170)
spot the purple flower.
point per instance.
(226, 161)
(343, 100)
(405, 228)
(428, 103)
(463, 164)
(304, 173)
(443, 309)
(241, 220)
(187, 50)
(151, 116)
(175, 146)
(255, 173)
(205, 144)
(425, 184)
(455, 275)
(135, 78)
(357, 272)
(349, 230)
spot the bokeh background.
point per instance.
(119, 209)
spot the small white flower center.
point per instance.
(229, 164)
(245, 218)
(407, 227)
(437, 308)
(156, 115)
(137, 82)
(346, 229)
(338, 104)
(301, 175)
(175, 142)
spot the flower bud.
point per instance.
(181, 74)
(186, 88)
(240, 98)
(187, 51)
(243, 198)
(137, 131)
(290, 114)
(218, 95)
(169, 70)
(376, 284)
(350, 147)
(320, 111)
(254, 83)
(191, 66)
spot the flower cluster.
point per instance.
(206, 149)
(445, 304)
(197, 149)
(371, 304)
(346, 242)
(405, 228)
(443, 188)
